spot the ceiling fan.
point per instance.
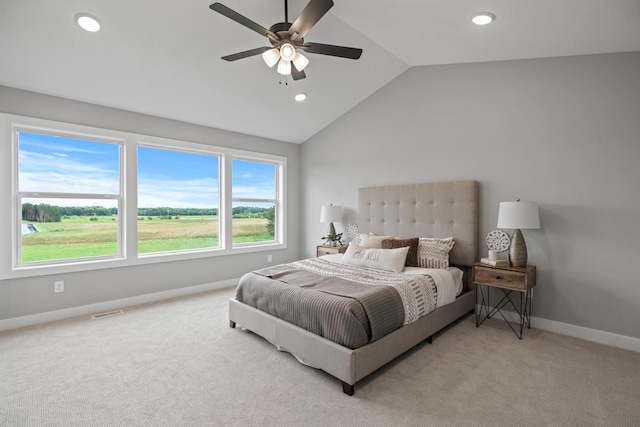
(287, 38)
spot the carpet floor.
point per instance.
(177, 363)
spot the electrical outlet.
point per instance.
(58, 286)
(269, 258)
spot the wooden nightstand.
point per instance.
(326, 250)
(507, 279)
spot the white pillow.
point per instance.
(372, 240)
(434, 253)
(379, 259)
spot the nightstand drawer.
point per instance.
(502, 278)
(326, 250)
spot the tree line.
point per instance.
(46, 213)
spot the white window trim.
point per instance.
(279, 225)
(8, 192)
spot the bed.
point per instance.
(439, 210)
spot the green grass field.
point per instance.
(78, 237)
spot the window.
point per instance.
(178, 200)
(78, 198)
(255, 201)
(68, 198)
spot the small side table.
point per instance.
(508, 280)
(326, 250)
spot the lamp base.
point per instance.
(518, 250)
(332, 229)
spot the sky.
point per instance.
(166, 178)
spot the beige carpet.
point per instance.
(177, 363)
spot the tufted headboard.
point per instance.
(440, 209)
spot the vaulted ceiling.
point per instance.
(162, 57)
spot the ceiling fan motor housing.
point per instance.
(281, 29)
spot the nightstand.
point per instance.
(326, 250)
(508, 280)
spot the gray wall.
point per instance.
(564, 132)
(22, 297)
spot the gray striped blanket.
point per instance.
(346, 304)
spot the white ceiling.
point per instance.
(162, 57)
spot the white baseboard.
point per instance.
(49, 316)
(602, 337)
(594, 335)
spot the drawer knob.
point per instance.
(498, 277)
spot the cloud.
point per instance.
(50, 173)
(188, 193)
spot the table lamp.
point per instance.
(331, 214)
(517, 215)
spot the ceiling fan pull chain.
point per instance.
(286, 79)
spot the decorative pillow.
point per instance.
(356, 239)
(434, 253)
(379, 259)
(412, 255)
(372, 240)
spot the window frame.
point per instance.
(16, 252)
(185, 148)
(127, 206)
(276, 201)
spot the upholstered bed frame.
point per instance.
(426, 210)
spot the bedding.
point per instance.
(434, 253)
(412, 254)
(371, 240)
(450, 283)
(379, 259)
(349, 305)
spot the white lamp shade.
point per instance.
(284, 67)
(300, 61)
(287, 52)
(518, 215)
(331, 213)
(271, 57)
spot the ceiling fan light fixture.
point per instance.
(271, 57)
(88, 22)
(300, 61)
(483, 18)
(284, 67)
(288, 38)
(287, 52)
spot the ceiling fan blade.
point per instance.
(309, 16)
(246, 54)
(332, 50)
(297, 75)
(242, 20)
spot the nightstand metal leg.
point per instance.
(523, 310)
(483, 305)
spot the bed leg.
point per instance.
(429, 340)
(232, 324)
(347, 389)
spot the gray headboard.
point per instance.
(440, 209)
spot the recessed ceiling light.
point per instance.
(88, 22)
(300, 97)
(483, 18)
